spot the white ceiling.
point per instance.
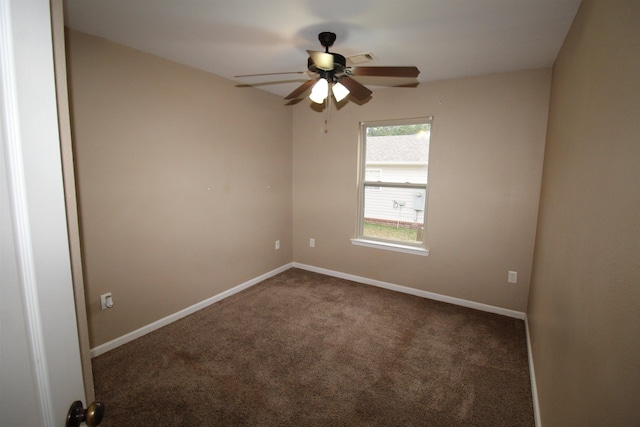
(443, 38)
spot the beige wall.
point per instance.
(584, 309)
(487, 147)
(184, 182)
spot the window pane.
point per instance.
(394, 213)
(393, 181)
(373, 175)
(401, 152)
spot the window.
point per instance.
(393, 184)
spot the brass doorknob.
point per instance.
(92, 415)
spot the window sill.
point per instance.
(391, 247)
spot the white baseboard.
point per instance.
(416, 292)
(532, 374)
(103, 348)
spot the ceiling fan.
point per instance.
(332, 72)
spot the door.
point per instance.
(40, 367)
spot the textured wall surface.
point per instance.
(487, 148)
(184, 182)
(585, 299)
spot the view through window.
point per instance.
(394, 180)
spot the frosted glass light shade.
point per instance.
(339, 91)
(320, 91)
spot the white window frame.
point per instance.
(418, 248)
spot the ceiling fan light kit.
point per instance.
(339, 91)
(320, 91)
(333, 72)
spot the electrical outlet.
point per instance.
(106, 300)
(277, 244)
(512, 277)
(312, 243)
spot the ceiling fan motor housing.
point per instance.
(339, 64)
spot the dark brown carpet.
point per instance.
(304, 349)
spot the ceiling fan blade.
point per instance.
(322, 60)
(301, 89)
(270, 74)
(385, 71)
(357, 90)
(386, 81)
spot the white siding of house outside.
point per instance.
(389, 203)
(378, 206)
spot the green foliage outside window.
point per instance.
(398, 130)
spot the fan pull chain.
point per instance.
(327, 114)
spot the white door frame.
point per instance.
(71, 198)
